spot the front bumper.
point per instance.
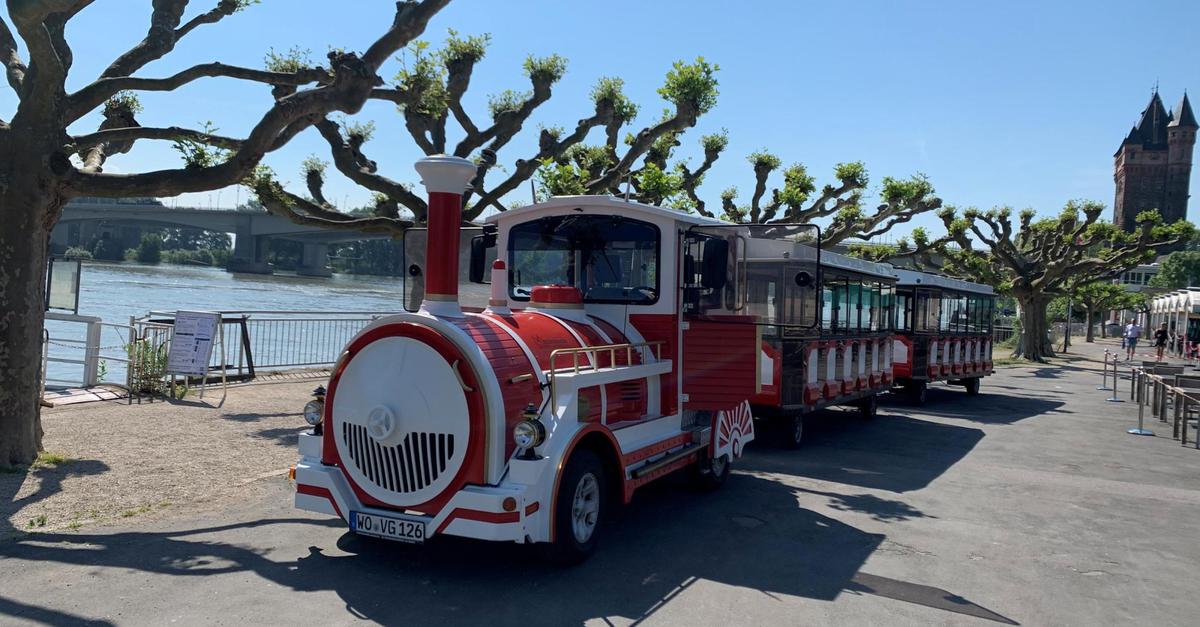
(473, 511)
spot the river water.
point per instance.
(114, 292)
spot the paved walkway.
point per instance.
(1028, 504)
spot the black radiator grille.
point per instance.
(416, 462)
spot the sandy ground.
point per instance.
(144, 460)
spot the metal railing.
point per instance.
(594, 353)
(101, 355)
(1002, 334)
(1165, 394)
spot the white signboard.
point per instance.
(192, 342)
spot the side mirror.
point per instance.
(479, 247)
(715, 264)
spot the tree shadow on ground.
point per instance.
(16, 609)
(283, 436)
(752, 535)
(255, 417)
(988, 407)
(892, 452)
(49, 480)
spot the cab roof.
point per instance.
(604, 202)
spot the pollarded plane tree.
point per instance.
(45, 161)
(1035, 260)
(655, 181)
(429, 92)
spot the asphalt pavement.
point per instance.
(1027, 504)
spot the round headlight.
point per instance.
(313, 411)
(529, 433)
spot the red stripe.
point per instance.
(487, 517)
(313, 490)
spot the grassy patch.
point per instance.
(46, 459)
(74, 524)
(37, 522)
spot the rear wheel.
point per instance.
(972, 386)
(790, 431)
(918, 392)
(577, 509)
(868, 407)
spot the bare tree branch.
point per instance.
(170, 133)
(16, 68)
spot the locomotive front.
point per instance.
(414, 413)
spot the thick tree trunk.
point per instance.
(27, 200)
(1091, 318)
(1034, 343)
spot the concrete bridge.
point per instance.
(253, 230)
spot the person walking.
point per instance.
(1132, 333)
(1160, 341)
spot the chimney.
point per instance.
(445, 179)
(499, 301)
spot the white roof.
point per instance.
(601, 202)
(925, 279)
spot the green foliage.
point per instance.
(545, 69)
(797, 185)
(78, 252)
(148, 365)
(1179, 270)
(853, 173)
(423, 76)
(289, 61)
(313, 164)
(124, 102)
(197, 154)
(715, 142)
(610, 89)
(656, 186)
(357, 131)
(692, 85)
(907, 190)
(471, 48)
(149, 250)
(560, 179)
(763, 159)
(507, 101)
(591, 159)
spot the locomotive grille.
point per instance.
(409, 466)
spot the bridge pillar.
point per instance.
(314, 261)
(250, 251)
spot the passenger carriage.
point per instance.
(943, 332)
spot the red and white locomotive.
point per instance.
(620, 342)
(581, 381)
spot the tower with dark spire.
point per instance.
(1153, 165)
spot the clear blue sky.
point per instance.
(1013, 103)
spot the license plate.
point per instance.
(401, 529)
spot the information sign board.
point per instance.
(192, 342)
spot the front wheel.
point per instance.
(972, 386)
(710, 474)
(577, 509)
(790, 431)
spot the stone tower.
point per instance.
(1152, 167)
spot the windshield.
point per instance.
(609, 258)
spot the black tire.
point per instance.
(710, 474)
(568, 548)
(868, 407)
(972, 386)
(918, 393)
(789, 431)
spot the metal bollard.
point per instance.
(1114, 398)
(1141, 398)
(1104, 374)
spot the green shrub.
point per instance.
(78, 252)
(150, 248)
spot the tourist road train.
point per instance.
(617, 343)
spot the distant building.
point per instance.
(1152, 167)
(1137, 279)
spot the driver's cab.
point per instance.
(620, 255)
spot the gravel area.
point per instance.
(146, 460)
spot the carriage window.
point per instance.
(609, 258)
(827, 308)
(928, 312)
(903, 311)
